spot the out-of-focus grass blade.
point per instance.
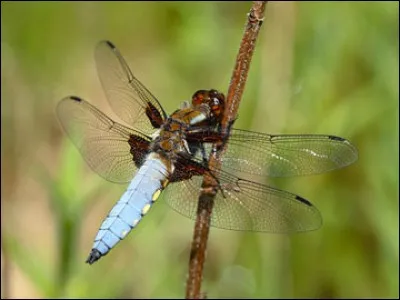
(69, 197)
(33, 266)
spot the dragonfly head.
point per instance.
(213, 99)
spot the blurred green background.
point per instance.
(328, 67)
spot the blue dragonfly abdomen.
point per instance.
(142, 192)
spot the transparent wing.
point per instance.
(128, 97)
(246, 205)
(285, 155)
(112, 150)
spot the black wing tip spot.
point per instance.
(75, 98)
(111, 45)
(336, 138)
(301, 199)
(93, 256)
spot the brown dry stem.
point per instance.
(209, 186)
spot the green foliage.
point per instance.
(327, 67)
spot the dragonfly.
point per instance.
(159, 153)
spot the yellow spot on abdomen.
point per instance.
(156, 195)
(145, 209)
(124, 233)
(135, 222)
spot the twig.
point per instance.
(209, 186)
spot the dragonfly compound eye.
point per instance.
(199, 97)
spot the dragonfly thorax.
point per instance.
(171, 140)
